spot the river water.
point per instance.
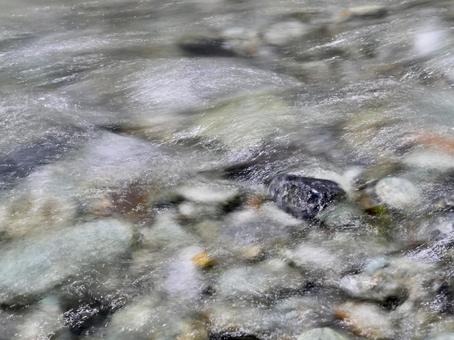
(226, 169)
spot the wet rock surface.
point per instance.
(304, 197)
(321, 334)
(34, 265)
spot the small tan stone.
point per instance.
(252, 252)
(203, 260)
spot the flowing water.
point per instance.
(226, 169)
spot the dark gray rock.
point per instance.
(304, 197)
(21, 161)
(232, 336)
(205, 45)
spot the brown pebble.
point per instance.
(340, 314)
(255, 201)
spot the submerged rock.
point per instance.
(326, 258)
(44, 322)
(242, 41)
(233, 336)
(398, 193)
(315, 258)
(365, 12)
(304, 197)
(435, 229)
(134, 320)
(237, 322)
(431, 160)
(151, 317)
(263, 281)
(31, 266)
(321, 334)
(342, 216)
(292, 315)
(183, 279)
(282, 33)
(203, 260)
(381, 288)
(166, 235)
(265, 225)
(23, 160)
(393, 282)
(208, 194)
(205, 45)
(41, 202)
(247, 123)
(445, 336)
(366, 320)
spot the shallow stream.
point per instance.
(226, 169)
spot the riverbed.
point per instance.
(226, 169)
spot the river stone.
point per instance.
(445, 336)
(245, 123)
(44, 322)
(166, 86)
(34, 265)
(284, 320)
(266, 225)
(398, 192)
(374, 287)
(343, 216)
(431, 160)
(366, 319)
(40, 202)
(152, 317)
(242, 41)
(436, 229)
(22, 161)
(208, 193)
(134, 320)
(282, 33)
(393, 281)
(304, 197)
(263, 281)
(366, 12)
(194, 211)
(205, 45)
(183, 279)
(316, 258)
(327, 257)
(236, 321)
(112, 159)
(166, 235)
(296, 313)
(321, 334)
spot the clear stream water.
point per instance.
(142, 144)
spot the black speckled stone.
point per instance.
(304, 197)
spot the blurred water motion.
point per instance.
(140, 138)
